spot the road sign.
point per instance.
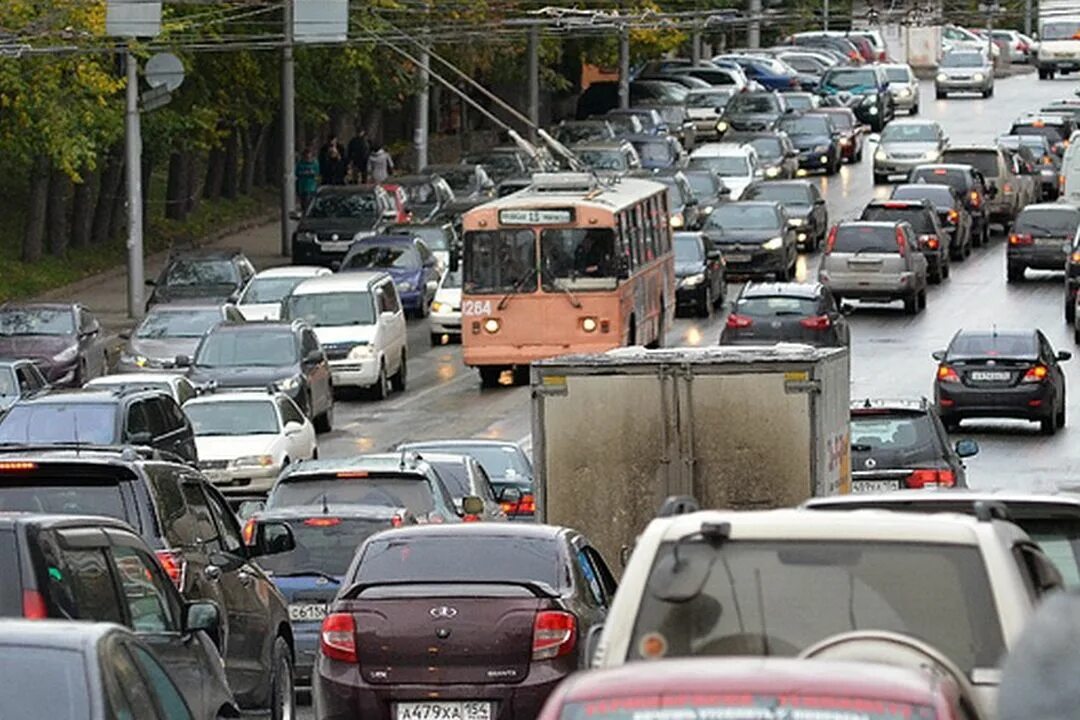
(155, 98)
(164, 70)
(133, 18)
(320, 21)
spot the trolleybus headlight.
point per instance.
(589, 324)
(492, 325)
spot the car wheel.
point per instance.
(922, 299)
(1014, 273)
(282, 690)
(951, 424)
(987, 93)
(425, 308)
(967, 247)
(914, 109)
(946, 266)
(489, 376)
(940, 95)
(436, 339)
(325, 422)
(381, 389)
(1061, 412)
(1070, 310)
(521, 375)
(1076, 335)
(1048, 425)
(911, 304)
(880, 179)
(401, 376)
(1043, 75)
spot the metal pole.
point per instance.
(133, 151)
(990, 36)
(825, 15)
(534, 81)
(420, 137)
(695, 45)
(753, 31)
(624, 67)
(288, 134)
(1027, 17)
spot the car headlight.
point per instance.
(772, 171)
(721, 126)
(821, 149)
(905, 92)
(360, 352)
(439, 307)
(289, 384)
(306, 237)
(797, 222)
(773, 243)
(931, 155)
(881, 155)
(405, 286)
(677, 220)
(254, 461)
(708, 209)
(66, 355)
(869, 100)
(873, 110)
(978, 77)
(693, 280)
(942, 77)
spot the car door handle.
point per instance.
(212, 573)
(245, 577)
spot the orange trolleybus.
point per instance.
(571, 264)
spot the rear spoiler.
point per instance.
(124, 452)
(539, 589)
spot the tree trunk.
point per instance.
(272, 156)
(230, 183)
(56, 231)
(193, 192)
(119, 222)
(254, 141)
(215, 173)
(111, 185)
(34, 230)
(176, 188)
(82, 209)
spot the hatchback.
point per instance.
(904, 87)
(755, 239)
(1041, 239)
(767, 313)
(408, 260)
(215, 275)
(876, 261)
(804, 204)
(480, 621)
(65, 341)
(1001, 373)
(171, 330)
(1005, 193)
(953, 217)
(921, 215)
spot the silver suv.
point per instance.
(876, 261)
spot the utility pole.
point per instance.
(695, 45)
(1027, 17)
(825, 15)
(534, 80)
(133, 153)
(753, 31)
(423, 109)
(624, 66)
(288, 132)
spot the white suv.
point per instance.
(360, 323)
(777, 582)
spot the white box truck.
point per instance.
(615, 435)
(1059, 38)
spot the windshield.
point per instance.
(581, 132)
(1061, 30)
(675, 197)
(432, 235)
(704, 184)
(389, 490)
(984, 162)
(800, 704)
(865, 238)
(738, 216)
(767, 147)
(939, 197)
(451, 280)
(688, 249)
(805, 125)
(383, 256)
(358, 206)
(1050, 132)
(41, 682)
(1048, 223)
(455, 477)
(420, 195)
(450, 559)
(716, 99)
(654, 151)
(909, 132)
(777, 306)
(850, 79)
(61, 496)
(58, 422)
(602, 159)
(953, 178)
(784, 194)
(332, 309)
(233, 418)
(269, 290)
(751, 103)
(246, 349)
(17, 321)
(500, 261)
(188, 323)
(323, 542)
(842, 120)
(801, 102)
(920, 220)
(962, 60)
(898, 74)
(189, 273)
(723, 165)
(981, 345)
(578, 259)
(745, 604)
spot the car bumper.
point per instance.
(242, 479)
(355, 373)
(306, 651)
(411, 299)
(694, 295)
(755, 262)
(1047, 257)
(899, 166)
(706, 129)
(304, 253)
(905, 102)
(445, 323)
(869, 288)
(867, 113)
(1058, 64)
(508, 355)
(814, 160)
(1030, 401)
(962, 85)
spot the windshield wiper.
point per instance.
(310, 573)
(516, 288)
(573, 298)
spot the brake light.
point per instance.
(896, 205)
(736, 322)
(954, 217)
(525, 506)
(1036, 374)
(929, 241)
(1023, 239)
(248, 532)
(337, 640)
(931, 478)
(554, 634)
(322, 522)
(901, 242)
(1008, 188)
(940, 171)
(397, 521)
(976, 199)
(947, 374)
(1075, 257)
(830, 242)
(17, 466)
(818, 322)
(33, 605)
(174, 565)
(470, 518)
(352, 474)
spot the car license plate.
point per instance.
(444, 711)
(874, 486)
(738, 258)
(307, 611)
(340, 246)
(990, 376)
(1049, 242)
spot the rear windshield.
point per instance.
(983, 345)
(917, 216)
(776, 306)
(446, 558)
(51, 423)
(943, 176)
(41, 682)
(803, 704)
(1048, 223)
(897, 74)
(938, 197)
(393, 490)
(247, 349)
(497, 460)
(753, 103)
(865, 238)
(1051, 133)
(984, 162)
(455, 477)
(10, 592)
(872, 432)
(744, 605)
(783, 194)
(45, 495)
(324, 543)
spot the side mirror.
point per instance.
(1064, 355)
(151, 283)
(472, 505)
(182, 361)
(938, 355)
(272, 538)
(725, 191)
(141, 438)
(967, 448)
(205, 616)
(293, 428)
(296, 215)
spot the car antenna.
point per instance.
(993, 330)
(761, 612)
(325, 506)
(867, 404)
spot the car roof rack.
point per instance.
(990, 510)
(126, 452)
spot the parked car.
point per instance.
(262, 298)
(66, 563)
(65, 341)
(169, 331)
(210, 275)
(767, 313)
(906, 144)
(101, 417)
(755, 238)
(426, 196)
(865, 90)
(699, 273)
(904, 87)
(178, 387)
(876, 261)
(736, 165)
(1001, 373)
(724, 79)
(934, 239)
(502, 162)
(284, 355)
(964, 71)
(852, 133)
(770, 73)
(337, 216)
(652, 122)
(360, 324)
(777, 155)
(807, 211)
(752, 111)
(540, 590)
(197, 541)
(1041, 239)
(969, 184)
(408, 260)
(20, 379)
(816, 140)
(624, 124)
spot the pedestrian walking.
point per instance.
(336, 167)
(324, 156)
(380, 165)
(307, 177)
(358, 153)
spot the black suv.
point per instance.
(970, 185)
(201, 275)
(900, 444)
(864, 89)
(132, 416)
(336, 217)
(285, 355)
(197, 541)
(81, 568)
(924, 220)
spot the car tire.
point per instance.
(436, 339)
(946, 267)
(1048, 425)
(425, 308)
(1070, 310)
(934, 278)
(489, 376)
(1014, 273)
(1061, 413)
(987, 93)
(521, 375)
(282, 689)
(940, 95)
(400, 378)
(381, 389)
(880, 179)
(951, 424)
(1076, 335)
(911, 304)
(922, 300)
(325, 422)
(1043, 75)
(914, 109)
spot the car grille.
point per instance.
(328, 237)
(907, 156)
(338, 351)
(213, 464)
(959, 77)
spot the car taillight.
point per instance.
(976, 199)
(1075, 257)
(248, 532)
(1036, 374)
(931, 478)
(525, 506)
(33, 605)
(554, 634)
(1007, 188)
(470, 518)
(818, 322)
(901, 242)
(735, 322)
(174, 565)
(1047, 160)
(929, 241)
(947, 374)
(1021, 239)
(954, 217)
(337, 640)
(397, 521)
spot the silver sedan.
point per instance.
(964, 71)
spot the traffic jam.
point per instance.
(746, 401)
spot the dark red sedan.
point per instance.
(478, 621)
(852, 132)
